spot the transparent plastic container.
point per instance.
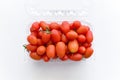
(58, 12)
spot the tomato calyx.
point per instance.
(24, 45)
(47, 30)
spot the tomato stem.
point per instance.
(24, 46)
(47, 30)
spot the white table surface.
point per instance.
(103, 65)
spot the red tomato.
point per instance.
(35, 33)
(88, 53)
(65, 27)
(30, 47)
(41, 50)
(71, 35)
(39, 42)
(75, 57)
(60, 49)
(44, 25)
(35, 56)
(45, 37)
(76, 25)
(83, 29)
(82, 50)
(60, 33)
(49, 43)
(55, 56)
(64, 38)
(81, 38)
(40, 33)
(55, 36)
(87, 44)
(45, 58)
(50, 51)
(73, 46)
(71, 26)
(54, 25)
(35, 27)
(32, 39)
(64, 58)
(89, 37)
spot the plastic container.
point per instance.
(59, 12)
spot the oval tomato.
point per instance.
(64, 58)
(35, 27)
(65, 27)
(44, 25)
(83, 29)
(55, 36)
(35, 56)
(60, 49)
(76, 25)
(81, 38)
(50, 51)
(71, 35)
(45, 37)
(46, 58)
(41, 50)
(73, 46)
(64, 38)
(88, 53)
(75, 57)
(89, 36)
(32, 39)
(81, 50)
(30, 47)
(54, 25)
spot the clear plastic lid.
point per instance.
(56, 10)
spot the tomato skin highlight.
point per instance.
(89, 37)
(55, 36)
(65, 27)
(32, 39)
(73, 46)
(50, 51)
(60, 49)
(71, 35)
(41, 50)
(35, 56)
(75, 57)
(89, 52)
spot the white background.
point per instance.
(103, 65)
